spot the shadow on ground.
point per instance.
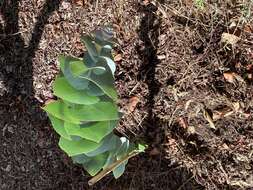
(25, 156)
(170, 175)
(30, 157)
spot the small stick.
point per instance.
(111, 167)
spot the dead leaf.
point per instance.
(161, 57)
(117, 57)
(145, 2)
(182, 123)
(65, 5)
(224, 146)
(249, 67)
(209, 119)
(229, 38)
(229, 76)
(248, 28)
(116, 27)
(250, 76)
(237, 106)
(191, 130)
(238, 78)
(132, 104)
(188, 3)
(78, 2)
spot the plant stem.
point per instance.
(111, 167)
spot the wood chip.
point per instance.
(161, 57)
(118, 57)
(237, 106)
(78, 2)
(229, 76)
(145, 2)
(248, 28)
(132, 104)
(191, 130)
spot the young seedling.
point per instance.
(200, 4)
(86, 112)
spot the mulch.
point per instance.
(186, 93)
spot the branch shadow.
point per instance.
(149, 34)
(175, 175)
(22, 120)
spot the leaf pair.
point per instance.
(95, 80)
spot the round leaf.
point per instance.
(73, 148)
(65, 91)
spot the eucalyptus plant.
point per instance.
(86, 112)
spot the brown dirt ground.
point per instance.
(173, 60)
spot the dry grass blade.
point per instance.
(208, 118)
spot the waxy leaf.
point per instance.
(58, 126)
(90, 46)
(72, 68)
(81, 158)
(73, 148)
(86, 131)
(107, 144)
(110, 63)
(78, 114)
(117, 172)
(104, 81)
(94, 90)
(95, 164)
(65, 91)
(124, 148)
(104, 36)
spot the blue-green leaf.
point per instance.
(58, 126)
(104, 81)
(81, 158)
(95, 164)
(72, 68)
(78, 114)
(73, 148)
(117, 172)
(86, 131)
(107, 144)
(123, 149)
(90, 46)
(65, 91)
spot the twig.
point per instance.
(13, 34)
(111, 167)
(187, 181)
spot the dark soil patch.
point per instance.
(172, 60)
